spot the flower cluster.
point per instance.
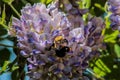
(54, 46)
(114, 7)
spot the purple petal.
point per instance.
(24, 53)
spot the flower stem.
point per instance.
(6, 27)
(14, 10)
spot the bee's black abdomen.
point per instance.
(59, 53)
(62, 52)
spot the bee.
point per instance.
(60, 46)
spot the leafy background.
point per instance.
(12, 67)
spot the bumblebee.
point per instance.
(60, 46)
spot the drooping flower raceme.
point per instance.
(114, 7)
(52, 47)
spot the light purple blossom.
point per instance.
(53, 45)
(114, 7)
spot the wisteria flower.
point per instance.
(114, 7)
(54, 48)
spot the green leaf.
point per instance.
(42, 1)
(86, 3)
(107, 20)
(3, 15)
(10, 22)
(15, 67)
(99, 6)
(100, 69)
(117, 50)
(111, 37)
(45, 1)
(48, 1)
(98, 76)
(8, 1)
(5, 65)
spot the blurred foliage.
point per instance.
(107, 67)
